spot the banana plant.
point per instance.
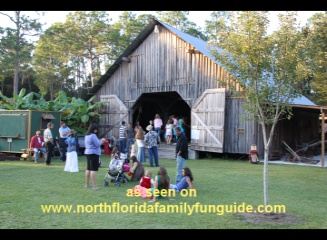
(77, 112)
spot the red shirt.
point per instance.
(35, 142)
(146, 182)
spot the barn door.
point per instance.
(113, 113)
(207, 118)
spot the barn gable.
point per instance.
(167, 71)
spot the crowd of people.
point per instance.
(133, 142)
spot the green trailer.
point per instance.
(18, 126)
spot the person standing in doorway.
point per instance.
(181, 153)
(130, 137)
(48, 139)
(122, 137)
(169, 131)
(92, 153)
(36, 145)
(64, 132)
(157, 123)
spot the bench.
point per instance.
(28, 154)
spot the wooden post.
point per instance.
(323, 139)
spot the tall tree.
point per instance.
(51, 60)
(267, 67)
(179, 20)
(88, 33)
(16, 43)
(316, 32)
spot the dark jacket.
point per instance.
(138, 173)
(182, 145)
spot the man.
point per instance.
(122, 137)
(64, 132)
(48, 139)
(152, 139)
(181, 153)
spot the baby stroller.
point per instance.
(117, 176)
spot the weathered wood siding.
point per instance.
(162, 63)
(240, 134)
(303, 127)
(208, 117)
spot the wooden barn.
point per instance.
(169, 72)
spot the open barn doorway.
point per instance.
(163, 103)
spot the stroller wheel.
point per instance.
(125, 180)
(117, 184)
(105, 183)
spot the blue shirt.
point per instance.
(92, 144)
(152, 138)
(181, 185)
(64, 130)
(71, 142)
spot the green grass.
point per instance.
(26, 186)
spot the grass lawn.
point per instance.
(27, 188)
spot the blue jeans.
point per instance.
(153, 153)
(141, 154)
(122, 145)
(158, 130)
(129, 141)
(36, 153)
(180, 164)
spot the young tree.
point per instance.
(267, 67)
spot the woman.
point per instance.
(161, 181)
(157, 124)
(136, 170)
(186, 181)
(92, 153)
(71, 159)
(139, 139)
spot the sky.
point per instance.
(197, 17)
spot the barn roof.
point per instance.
(197, 43)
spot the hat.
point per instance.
(72, 131)
(149, 128)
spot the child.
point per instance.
(169, 131)
(143, 189)
(114, 162)
(162, 181)
(147, 181)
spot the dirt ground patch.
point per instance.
(272, 218)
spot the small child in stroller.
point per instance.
(116, 169)
(115, 160)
